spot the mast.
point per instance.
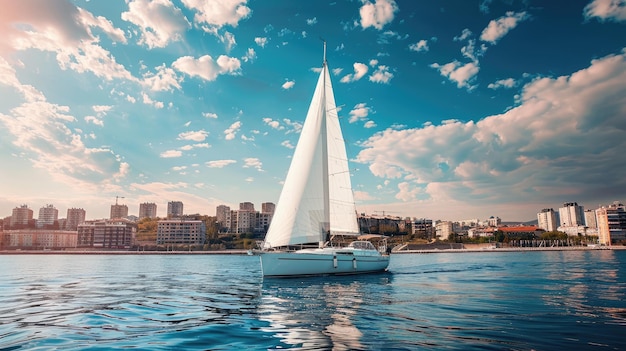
(323, 110)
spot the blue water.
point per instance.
(455, 301)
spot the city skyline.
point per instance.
(261, 207)
(450, 109)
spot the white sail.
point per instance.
(317, 195)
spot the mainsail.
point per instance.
(317, 197)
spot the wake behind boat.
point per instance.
(317, 203)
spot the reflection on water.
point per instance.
(462, 301)
(319, 313)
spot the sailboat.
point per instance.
(316, 204)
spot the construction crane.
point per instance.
(118, 197)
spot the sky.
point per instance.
(450, 109)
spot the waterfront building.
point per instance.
(244, 220)
(174, 209)
(590, 219)
(571, 215)
(39, 239)
(47, 216)
(178, 231)
(476, 232)
(112, 233)
(118, 211)
(147, 210)
(75, 216)
(422, 228)
(21, 216)
(611, 224)
(223, 218)
(548, 219)
(262, 221)
(443, 230)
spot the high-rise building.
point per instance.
(222, 214)
(590, 219)
(174, 209)
(47, 216)
(119, 211)
(548, 219)
(75, 216)
(147, 210)
(268, 207)
(611, 224)
(21, 216)
(571, 215)
(246, 206)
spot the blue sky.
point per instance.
(451, 109)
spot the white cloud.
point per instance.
(94, 120)
(148, 101)
(311, 21)
(287, 144)
(496, 29)
(611, 10)
(164, 79)
(250, 55)
(529, 153)
(360, 69)
(377, 14)
(159, 21)
(206, 68)
(381, 75)
(231, 132)
(43, 133)
(369, 124)
(461, 74)
(273, 123)
(218, 13)
(421, 45)
(502, 83)
(220, 163)
(288, 84)
(171, 154)
(359, 112)
(466, 33)
(209, 115)
(260, 41)
(253, 162)
(198, 135)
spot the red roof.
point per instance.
(530, 228)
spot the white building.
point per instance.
(571, 215)
(590, 219)
(47, 216)
(548, 220)
(443, 230)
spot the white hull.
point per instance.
(326, 262)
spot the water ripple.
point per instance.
(511, 301)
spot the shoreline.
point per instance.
(245, 252)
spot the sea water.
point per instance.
(565, 300)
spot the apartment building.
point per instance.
(179, 231)
(107, 233)
(147, 210)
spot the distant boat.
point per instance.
(317, 205)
